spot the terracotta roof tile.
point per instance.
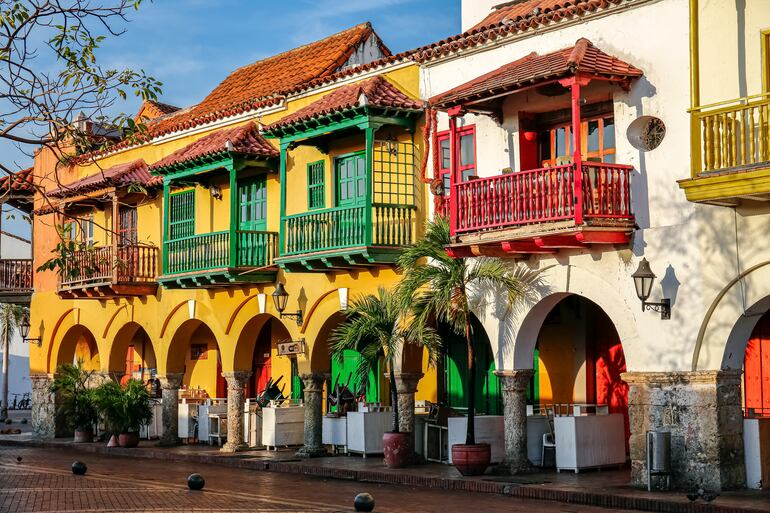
(20, 182)
(120, 175)
(152, 110)
(583, 57)
(374, 92)
(245, 139)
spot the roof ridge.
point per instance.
(579, 52)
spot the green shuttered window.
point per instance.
(316, 194)
(181, 219)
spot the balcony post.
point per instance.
(114, 262)
(233, 242)
(164, 246)
(453, 167)
(368, 225)
(576, 146)
(282, 221)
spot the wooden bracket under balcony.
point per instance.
(217, 278)
(109, 291)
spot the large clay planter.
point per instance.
(471, 460)
(396, 449)
(128, 440)
(84, 436)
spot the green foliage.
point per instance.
(73, 259)
(124, 408)
(76, 405)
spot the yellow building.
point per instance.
(300, 170)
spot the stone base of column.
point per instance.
(702, 410)
(235, 447)
(311, 452)
(43, 407)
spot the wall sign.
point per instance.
(291, 347)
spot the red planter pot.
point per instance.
(128, 440)
(396, 448)
(84, 436)
(471, 460)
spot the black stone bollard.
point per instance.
(79, 468)
(364, 502)
(196, 482)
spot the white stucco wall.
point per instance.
(692, 248)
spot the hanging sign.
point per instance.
(291, 347)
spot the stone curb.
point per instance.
(543, 493)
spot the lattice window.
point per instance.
(394, 173)
(181, 217)
(316, 190)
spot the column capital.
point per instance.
(236, 379)
(313, 381)
(515, 380)
(171, 380)
(406, 382)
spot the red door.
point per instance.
(221, 381)
(262, 366)
(756, 367)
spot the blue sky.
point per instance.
(191, 45)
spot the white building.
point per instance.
(516, 83)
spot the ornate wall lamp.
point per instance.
(644, 279)
(280, 298)
(24, 331)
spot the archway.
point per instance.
(756, 371)
(452, 375)
(78, 345)
(578, 360)
(256, 351)
(132, 354)
(195, 352)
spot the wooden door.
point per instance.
(351, 180)
(262, 366)
(756, 370)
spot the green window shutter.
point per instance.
(316, 193)
(181, 219)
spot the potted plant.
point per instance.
(76, 402)
(376, 327)
(438, 288)
(125, 409)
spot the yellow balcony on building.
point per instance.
(730, 152)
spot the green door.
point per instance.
(488, 396)
(252, 217)
(351, 180)
(345, 372)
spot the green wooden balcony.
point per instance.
(346, 237)
(215, 260)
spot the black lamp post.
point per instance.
(24, 331)
(280, 298)
(644, 279)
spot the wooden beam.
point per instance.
(558, 241)
(522, 246)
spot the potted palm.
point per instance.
(125, 409)
(76, 405)
(439, 288)
(375, 327)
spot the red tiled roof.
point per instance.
(584, 57)
(19, 182)
(245, 139)
(152, 110)
(374, 92)
(120, 175)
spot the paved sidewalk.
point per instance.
(607, 489)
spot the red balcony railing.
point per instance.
(542, 196)
(132, 263)
(15, 275)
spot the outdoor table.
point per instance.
(365, 430)
(206, 408)
(283, 426)
(334, 431)
(589, 441)
(756, 443)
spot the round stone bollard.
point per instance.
(79, 468)
(196, 482)
(364, 502)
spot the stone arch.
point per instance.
(263, 331)
(131, 334)
(320, 357)
(77, 343)
(203, 368)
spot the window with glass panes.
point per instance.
(181, 214)
(316, 191)
(597, 142)
(466, 143)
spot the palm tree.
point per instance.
(10, 318)
(439, 288)
(376, 327)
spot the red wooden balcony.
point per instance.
(15, 280)
(542, 210)
(108, 271)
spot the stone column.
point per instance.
(514, 384)
(406, 386)
(169, 385)
(236, 399)
(43, 407)
(702, 410)
(313, 413)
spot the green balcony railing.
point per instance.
(212, 251)
(347, 227)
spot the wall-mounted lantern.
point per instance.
(343, 292)
(644, 279)
(24, 331)
(280, 299)
(215, 191)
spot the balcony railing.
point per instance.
(132, 263)
(212, 251)
(348, 227)
(731, 134)
(15, 275)
(543, 196)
